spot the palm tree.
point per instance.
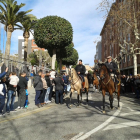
(27, 26)
(10, 16)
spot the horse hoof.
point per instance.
(112, 108)
(103, 112)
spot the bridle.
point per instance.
(104, 76)
(71, 81)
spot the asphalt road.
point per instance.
(86, 122)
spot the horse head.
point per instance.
(103, 71)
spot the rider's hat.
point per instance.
(80, 60)
(109, 57)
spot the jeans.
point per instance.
(26, 102)
(10, 99)
(59, 96)
(47, 95)
(68, 87)
(37, 97)
(137, 93)
(42, 96)
(22, 98)
(82, 76)
(51, 92)
(2, 103)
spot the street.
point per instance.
(86, 122)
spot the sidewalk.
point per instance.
(31, 105)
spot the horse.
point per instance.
(76, 85)
(95, 81)
(107, 85)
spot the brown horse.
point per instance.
(95, 81)
(107, 85)
(76, 85)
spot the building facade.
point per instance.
(110, 44)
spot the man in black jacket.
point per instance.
(38, 85)
(80, 69)
(112, 66)
(59, 88)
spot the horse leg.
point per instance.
(118, 96)
(78, 99)
(87, 94)
(70, 98)
(103, 92)
(111, 100)
(81, 96)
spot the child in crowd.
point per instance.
(2, 95)
(13, 79)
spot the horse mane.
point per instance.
(103, 64)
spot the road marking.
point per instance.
(88, 134)
(122, 125)
(26, 114)
(130, 109)
(131, 113)
(77, 136)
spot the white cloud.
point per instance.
(86, 21)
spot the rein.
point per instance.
(107, 82)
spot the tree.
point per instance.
(53, 33)
(64, 53)
(125, 19)
(34, 57)
(10, 15)
(72, 59)
(27, 26)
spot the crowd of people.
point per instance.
(130, 84)
(45, 84)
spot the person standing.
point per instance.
(42, 96)
(2, 95)
(47, 78)
(22, 86)
(59, 88)
(65, 79)
(38, 85)
(52, 76)
(31, 74)
(123, 84)
(11, 93)
(137, 86)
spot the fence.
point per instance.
(15, 65)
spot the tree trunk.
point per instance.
(10, 29)
(26, 36)
(53, 58)
(135, 63)
(60, 65)
(25, 49)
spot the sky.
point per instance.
(86, 20)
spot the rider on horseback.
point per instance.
(113, 68)
(80, 69)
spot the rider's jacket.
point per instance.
(81, 69)
(112, 66)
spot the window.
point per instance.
(22, 51)
(124, 60)
(110, 50)
(128, 37)
(35, 50)
(22, 44)
(128, 58)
